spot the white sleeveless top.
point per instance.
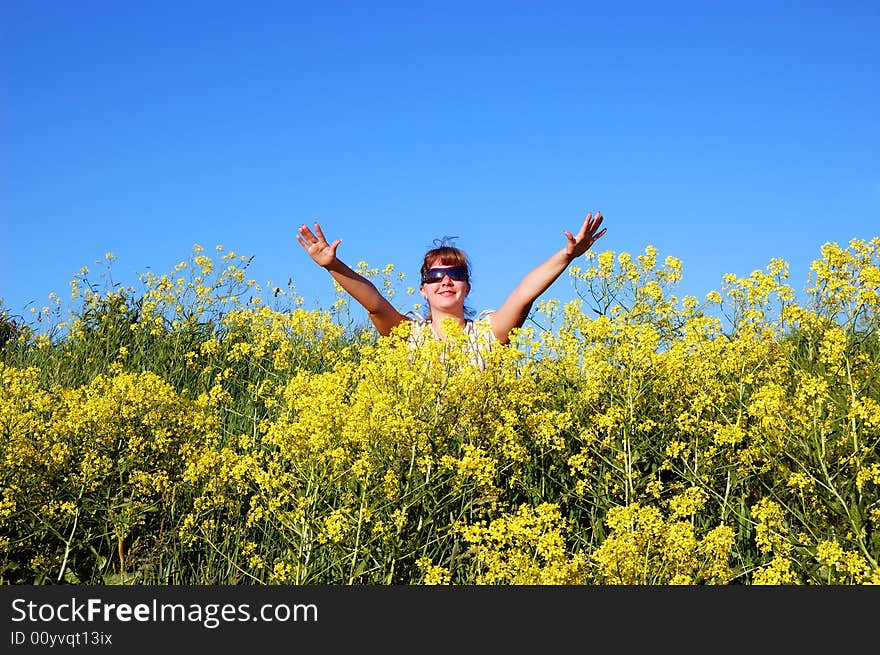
(478, 331)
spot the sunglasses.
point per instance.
(459, 273)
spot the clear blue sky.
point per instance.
(723, 133)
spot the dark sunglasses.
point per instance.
(459, 273)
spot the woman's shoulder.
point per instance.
(420, 327)
(483, 318)
(482, 324)
(415, 318)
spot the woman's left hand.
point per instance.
(586, 237)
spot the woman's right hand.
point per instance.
(316, 245)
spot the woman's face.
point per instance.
(446, 294)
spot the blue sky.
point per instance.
(724, 134)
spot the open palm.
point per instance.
(315, 243)
(586, 236)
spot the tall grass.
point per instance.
(193, 431)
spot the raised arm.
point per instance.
(382, 313)
(513, 313)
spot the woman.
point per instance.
(445, 284)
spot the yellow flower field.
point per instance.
(193, 432)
